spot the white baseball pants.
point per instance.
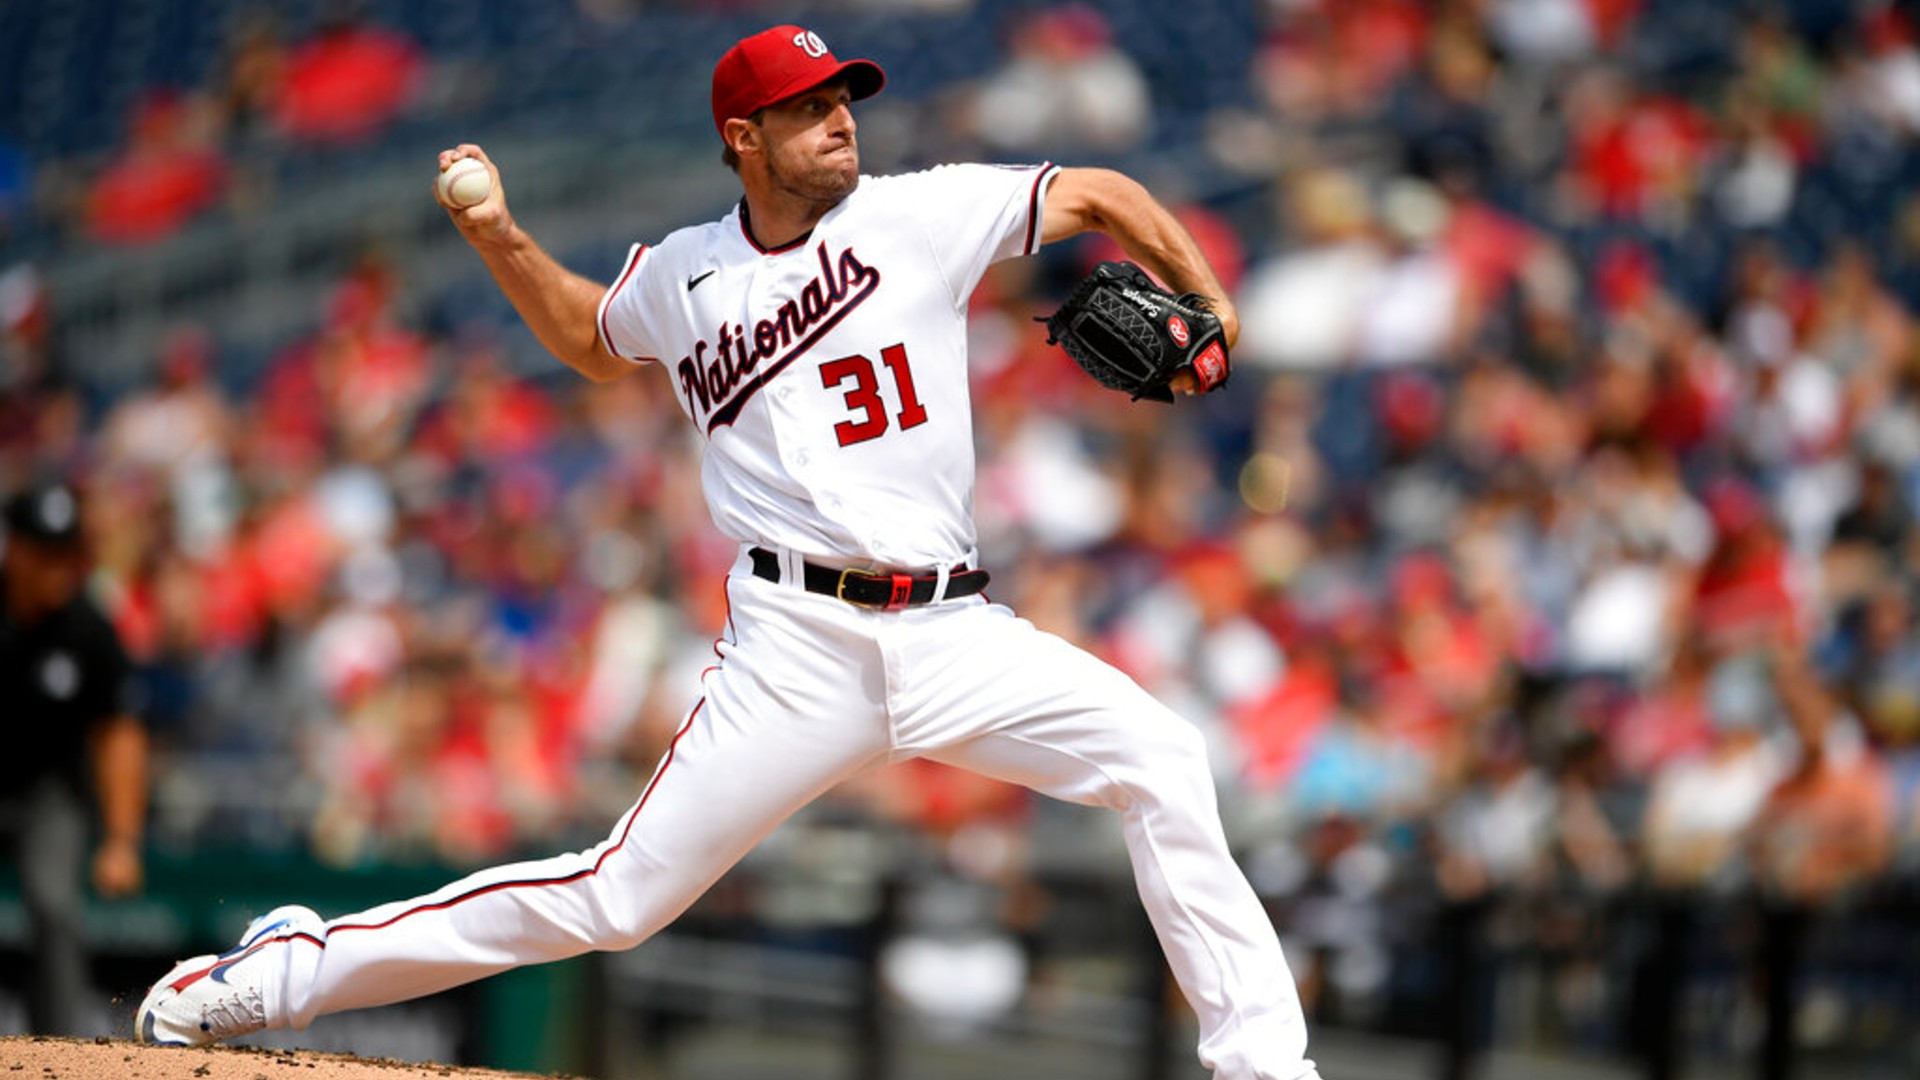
(807, 692)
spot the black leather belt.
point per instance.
(871, 588)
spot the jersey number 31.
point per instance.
(864, 398)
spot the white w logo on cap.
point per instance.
(809, 42)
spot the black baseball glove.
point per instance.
(1133, 336)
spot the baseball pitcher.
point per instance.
(816, 338)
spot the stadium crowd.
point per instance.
(1553, 539)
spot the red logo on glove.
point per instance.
(1210, 367)
(1177, 329)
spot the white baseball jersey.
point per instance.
(829, 375)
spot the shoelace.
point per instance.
(240, 1013)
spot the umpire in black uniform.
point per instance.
(72, 740)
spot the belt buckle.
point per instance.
(901, 588)
(840, 587)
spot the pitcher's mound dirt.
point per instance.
(39, 1057)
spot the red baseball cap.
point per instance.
(778, 63)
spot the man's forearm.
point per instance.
(1151, 236)
(120, 778)
(558, 305)
(1109, 202)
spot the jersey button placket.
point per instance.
(795, 450)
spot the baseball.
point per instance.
(465, 183)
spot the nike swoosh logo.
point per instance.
(192, 977)
(697, 279)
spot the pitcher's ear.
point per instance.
(744, 136)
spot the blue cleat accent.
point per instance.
(209, 998)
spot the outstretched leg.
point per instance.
(1061, 722)
(759, 746)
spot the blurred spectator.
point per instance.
(1494, 252)
(1064, 86)
(1692, 385)
(373, 372)
(1497, 834)
(1543, 32)
(253, 72)
(342, 85)
(1592, 830)
(1277, 733)
(1859, 329)
(1301, 308)
(44, 430)
(1438, 668)
(1872, 538)
(1826, 829)
(180, 419)
(1194, 641)
(1594, 863)
(171, 169)
(1326, 63)
(78, 741)
(1886, 82)
(179, 431)
(1779, 72)
(1418, 311)
(1755, 170)
(488, 417)
(1641, 538)
(29, 383)
(1442, 107)
(1744, 595)
(1875, 671)
(1670, 720)
(1764, 299)
(1338, 916)
(1351, 767)
(1701, 806)
(1633, 155)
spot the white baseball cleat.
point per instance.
(211, 998)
